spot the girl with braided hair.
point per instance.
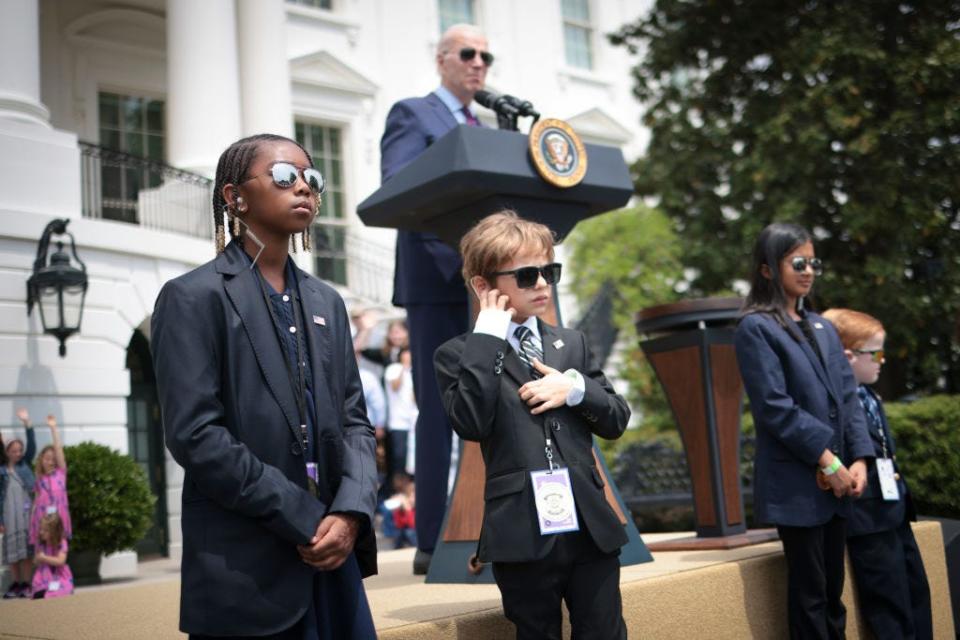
(263, 407)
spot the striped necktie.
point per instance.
(530, 348)
(471, 119)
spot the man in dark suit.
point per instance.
(427, 279)
(533, 397)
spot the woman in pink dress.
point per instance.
(53, 577)
(51, 486)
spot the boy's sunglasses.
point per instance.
(469, 53)
(875, 354)
(800, 263)
(285, 174)
(527, 277)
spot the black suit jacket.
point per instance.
(427, 270)
(479, 377)
(230, 420)
(871, 513)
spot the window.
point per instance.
(329, 230)
(318, 4)
(134, 125)
(577, 33)
(454, 12)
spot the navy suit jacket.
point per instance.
(479, 376)
(871, 513)
(427, 270)
(799, 409)
(230, 420)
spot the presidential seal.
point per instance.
(558, 153)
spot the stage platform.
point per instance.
(737, 593)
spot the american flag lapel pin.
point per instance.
(320, 320)
(558, 344)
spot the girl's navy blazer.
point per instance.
(230, 420)
(799, 408)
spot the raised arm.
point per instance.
(57, 444)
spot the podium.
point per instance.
(690, 346)
(466, 175)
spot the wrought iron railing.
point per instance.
(127, 188)
(370, 268)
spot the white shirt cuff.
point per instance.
(579, 389)
(493, 322)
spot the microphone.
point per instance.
(524, 107)
(500, 104)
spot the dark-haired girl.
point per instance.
(263, 407)
(811, 432)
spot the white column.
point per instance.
(203, 93)
(20, 63)
(264, 68)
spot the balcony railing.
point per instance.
(369, 268)
(126, 188)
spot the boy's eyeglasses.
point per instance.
(875, 354)
(527, 277)
(800, 263)
(469, 53)
(285, 174)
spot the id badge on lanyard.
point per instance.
(888, 480)
(553, 493)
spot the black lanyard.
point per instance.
(298, 382)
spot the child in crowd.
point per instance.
(51, 487)
(533, 397)
(16, 490)
(891, 580)
(53, 578)
(401, 508)
(401, 410)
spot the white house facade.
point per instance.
(113, 115)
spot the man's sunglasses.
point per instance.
(285, 174)
(469, 53)
(527, 277)
(799, 265)
(875, 354)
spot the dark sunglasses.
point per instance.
(799, 265)
(285, 174)
(875, 354)
(527, 277)
(469, 53)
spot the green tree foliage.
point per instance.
(636, 253)
(841, 116)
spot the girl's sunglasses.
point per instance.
(468, 53)
(875, 354)
(527, 277)
(285, 174)
(800, 263)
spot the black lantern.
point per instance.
(58, 288)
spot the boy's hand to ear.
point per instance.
(495, 312)
(549, 392)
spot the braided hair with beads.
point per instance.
(232, 168)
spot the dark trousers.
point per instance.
(574, 571)
(339, 610)
(815, 579)
(892, 583)
(430, 326)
